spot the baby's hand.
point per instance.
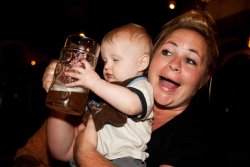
(86, 75)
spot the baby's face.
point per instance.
(121, 59)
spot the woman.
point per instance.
(184, 58)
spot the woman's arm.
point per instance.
(85, 151)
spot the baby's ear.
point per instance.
(143, 62)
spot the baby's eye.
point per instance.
(104, 61)
(115, 59)
(190, 61)
(166, 53)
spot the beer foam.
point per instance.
(61, 87)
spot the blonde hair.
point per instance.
(137, 34)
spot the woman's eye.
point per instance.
(166, 53)
(190, 61)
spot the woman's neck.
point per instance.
(163, 115)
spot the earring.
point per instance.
(210, 89)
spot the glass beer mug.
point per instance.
(72, 100)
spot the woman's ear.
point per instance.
(143, 62)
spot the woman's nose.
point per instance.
(174, 65)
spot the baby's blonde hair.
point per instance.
(137, 34)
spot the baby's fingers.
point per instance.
(72, 84)
(73, 73)
(86, 64)
(76, 69)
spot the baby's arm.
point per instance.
(121, 98)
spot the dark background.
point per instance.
(44, 25)
(36, 31)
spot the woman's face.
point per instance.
(177, 68)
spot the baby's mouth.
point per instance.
(108, 77)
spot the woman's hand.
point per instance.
(48, 75)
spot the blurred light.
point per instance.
(248, 42)
(33, 62)
(82, 34)
(205, 1)
(171, 4)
